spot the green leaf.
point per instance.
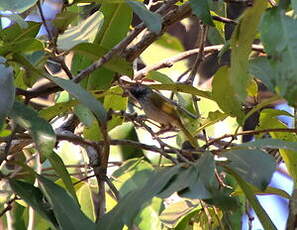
(201, 10)
(84, 194)
(212, 118)
(272, 144)
(195, 181)
(121, 104)
(183, 88)
(272, 19)
(224, 95)
(282, 54)
(176, 212)
(61, 170)
(132, 175)
(94, 52)
(41, 131)
(16, 5)
(57, 109)
(120, 215)
(44, 137)
(15, 33)
(268, 190)
(261, 213)
(117, 19)
(21, 46)
(86, 31)
(269, 121)
(254, 166)
(205, 180)
(152, 20)
(241, 41)
(83, 96)
(148, 218)
(66, 210)
(7, 91)
(160, 77)
(34, 197)
(294, 5)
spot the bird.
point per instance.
(158, 109)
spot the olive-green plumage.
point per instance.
(158, 109)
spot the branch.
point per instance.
(169, 19)
(119, 47)
(251, 132)
(169, 62)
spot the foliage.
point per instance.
(75, 150)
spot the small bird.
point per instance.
(159, 109)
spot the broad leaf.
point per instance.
(16, 5)
(57, 109)
(85, 198)
(41, 131)
(269, 121)
(201, 10)
(254, 166)
(34, 197)
(120, 215)
(86, 31)
(195, 181)
(121, 104)
(261, 213)
(224, 95)
(94, 52)
(282, 51)
(44, 138)
(272, 144)
(7, 91)
(151, 19)
(83, 96)
(241, 41)
(174, 213)
(67, 212)
(22, 46)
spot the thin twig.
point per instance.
(253, 132)
(172, 17)
(8, 206)
(199, 57)
(50, 37)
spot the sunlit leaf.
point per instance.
(175, 212)
(288, 151)
(241, 41)
(84, 195)
(224, 94)
(86, 31)
(121, 104)
(16, 5)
